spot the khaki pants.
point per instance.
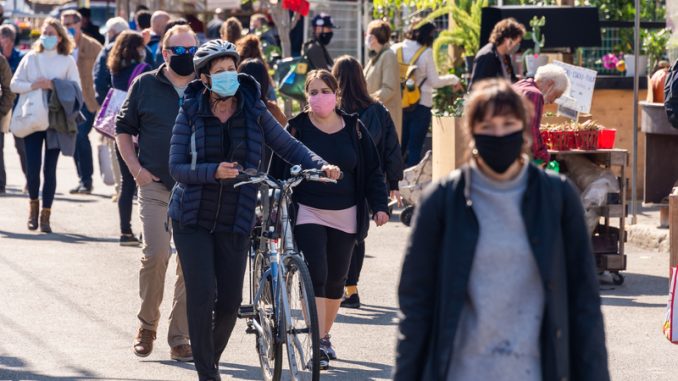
(153, 201)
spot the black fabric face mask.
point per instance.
(499, 152)
(182, 65)
(325, 38)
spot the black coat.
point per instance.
(437, 266)
(379, 123)
(487, 64)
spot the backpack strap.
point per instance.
(417, 54)
(399, 55)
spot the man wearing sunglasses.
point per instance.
(85, 54)
(150, 111)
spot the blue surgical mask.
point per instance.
(71, 31)
(225, 84)
(49, 42)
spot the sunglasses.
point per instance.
(181, 50)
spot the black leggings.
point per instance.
(328, 254)
(356, 264)
(214, 268)
(128, 187)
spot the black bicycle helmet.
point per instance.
(211, 50)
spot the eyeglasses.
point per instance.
(181, 50)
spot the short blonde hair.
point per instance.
(65, 47)
(176, 30)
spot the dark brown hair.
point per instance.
(324, 76)
(250, 47)
(506, 28)
(381, 30)
(496, 97)
(231, 30)
(353, 95)
(65, 47)
(259, 71)
(125, 51)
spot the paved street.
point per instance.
(68, 302)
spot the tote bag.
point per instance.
(292, 85)
(104, 122)
(105, 164)
(671, 319)
(31, 113)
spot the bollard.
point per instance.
(673, 230)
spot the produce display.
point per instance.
(570, 135)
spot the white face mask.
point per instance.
(368, 42)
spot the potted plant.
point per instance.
(655, 44)
(533, 58)
(449, 141)
(466, 31)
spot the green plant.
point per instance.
(655, 44)
(535, 34)
(447, 101)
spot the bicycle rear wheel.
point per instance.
(303, 341)
(268, 348)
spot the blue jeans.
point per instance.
(34, 164)
(415, 127)
(83, 150)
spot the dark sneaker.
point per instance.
(352, 301)
(129, 240)
(324, 360)
(326, 345)
(81, 189)
(3, 191)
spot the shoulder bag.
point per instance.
(31, 113)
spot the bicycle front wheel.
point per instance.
(268, 347)
(303, 341)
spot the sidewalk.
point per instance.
(647, 233)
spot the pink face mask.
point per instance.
(322, 104)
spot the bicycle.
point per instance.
(282, 302)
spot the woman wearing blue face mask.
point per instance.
(50, 59)
(228, 125)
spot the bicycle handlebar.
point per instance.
(298, 175)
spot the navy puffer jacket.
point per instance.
(200, 199)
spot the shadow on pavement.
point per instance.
(368, 314)
(368, 370)
(234, 371)
(635, 285)
(58, 237)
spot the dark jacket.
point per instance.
(7, 97)
(487, 64)
(383, 132)
(14, 59)
(93, 31)
(121, 79)
(371, 191)
(199, 198)
(150, 111)
(102, 75)
(437, 266)
(317, 56)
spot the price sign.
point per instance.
(582, 84)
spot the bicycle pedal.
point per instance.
(247, 311)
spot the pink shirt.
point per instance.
(345, 220)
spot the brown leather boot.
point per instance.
(44, 220)
(143, 343)
(182, 353)
(33, 215)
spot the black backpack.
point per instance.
(671, 95)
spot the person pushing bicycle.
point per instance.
(222, 128)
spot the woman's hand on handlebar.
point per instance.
(226, 171)
(332, 171)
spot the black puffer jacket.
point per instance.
(379, 123)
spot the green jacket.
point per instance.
(57, 116)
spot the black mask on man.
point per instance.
(182, 65)
(325, 38)
(499, 152)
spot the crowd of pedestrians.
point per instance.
(201, 106)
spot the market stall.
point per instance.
(584, 150)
